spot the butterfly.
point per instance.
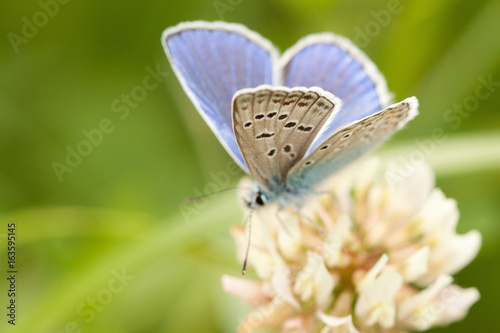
(288, 121)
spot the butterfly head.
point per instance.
(258, 197)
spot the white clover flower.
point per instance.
(381, 264)
(314, 281)
(377, 292)
(337, 324)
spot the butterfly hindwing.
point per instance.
(275, 125)
(212, 62)
(335, 64)
(352, 141)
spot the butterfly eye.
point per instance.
(260, 199)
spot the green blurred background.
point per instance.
(118, 210)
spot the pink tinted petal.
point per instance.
(248, 291)
(267, 316)
(456, 303)
(297, 324)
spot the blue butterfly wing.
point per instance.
(213, 60)
(338, 66)
(350, 142)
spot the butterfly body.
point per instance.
(285, 195)
(289, 122)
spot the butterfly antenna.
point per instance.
(243, 268)
(192, 200)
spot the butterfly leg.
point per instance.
(336, 204)
(333, 198)
(313, 223)
(277, 215)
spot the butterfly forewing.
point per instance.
(213, 60)
(274, 126)
(351, 141)
(301, 117)
(255, 133)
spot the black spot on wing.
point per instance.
(304, 129)
(259, 116)
(290, 124)
(264, 135)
